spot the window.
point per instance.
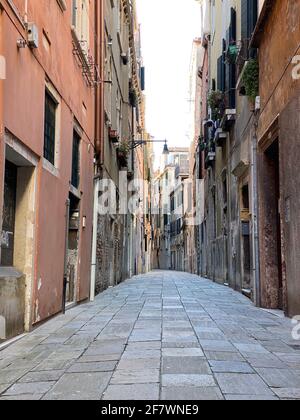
(249, 17)
(245, 197)
(172, 203)
(50, 128)
(80, 21)
(75, 181)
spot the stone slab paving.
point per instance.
(161, 336)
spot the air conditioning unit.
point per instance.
(33, 35)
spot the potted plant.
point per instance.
(216, 102)
(202, 144)
(250, 79)
(133, 97)
(232, 53)
(113, 135)
(123, 152)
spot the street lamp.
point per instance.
(138, 143)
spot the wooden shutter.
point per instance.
(252, 16)
(244, 19)
(232, 29)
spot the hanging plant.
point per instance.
(216, 102)
(133, 97)
(201, 143)
(123, 153)
(232, 53)
(124, 148)
(250, 79)
(202, 147)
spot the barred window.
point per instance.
(50, 128)
(76, 160)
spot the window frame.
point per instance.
(53, 125)
(77, 136)
(80, 22)
(49, 166)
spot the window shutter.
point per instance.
(224, 72)
(232, 30)
(252, 16)
(232, 86)
(143, 79)
(219, 83)
(244, 19)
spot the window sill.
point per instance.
(75, 191)
(50, 168)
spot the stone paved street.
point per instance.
(163, 336)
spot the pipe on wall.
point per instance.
(2, 147)
(94, 243)
(255, 229)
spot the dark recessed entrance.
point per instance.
(9, 215)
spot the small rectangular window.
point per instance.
(76, 160)
(50, 128)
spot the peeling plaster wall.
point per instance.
(280, 94)
(24, 89)
(12, 302)
(290, 200)
(25, 229)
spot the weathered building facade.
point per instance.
(195, 109)
(119, 245)
(278, 154)
(227, 161)
(250, 80)
(46, 158)
(73, 110)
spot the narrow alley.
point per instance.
(164, 335)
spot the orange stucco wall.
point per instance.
(24, 92)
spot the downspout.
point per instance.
(133, 218)
(26, 12)
(2, 143)
(65, 282)
(255, 228)
(99, 96)
(94, 243)
(99, 137)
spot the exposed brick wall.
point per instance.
(109, 252)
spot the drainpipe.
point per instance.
(255, 230)
(94, 243)
(65, 283)
(2, 149)
(99, 133)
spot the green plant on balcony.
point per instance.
(123, 152)
(133, 97)
(202, 144)
(250, 79)
(203, 147)
(216, 102)
(232, 53)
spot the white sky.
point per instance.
(168, 28)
